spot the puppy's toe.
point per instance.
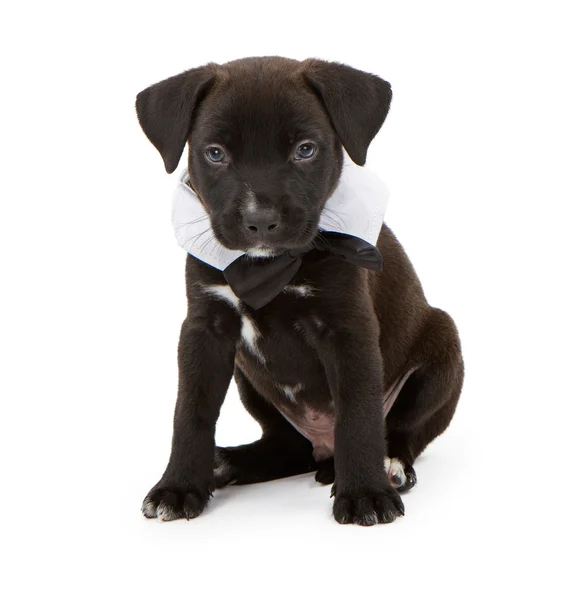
(401, 476)
(410, 479)
(369, 508)
(170, 503)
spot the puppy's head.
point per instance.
(265, 140)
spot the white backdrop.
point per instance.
(478, 152)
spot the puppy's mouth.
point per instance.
(263, 251)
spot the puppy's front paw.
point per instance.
(368, 508)
(171, 502)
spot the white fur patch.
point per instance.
(222, 471)
(166, 513)
(149, 510)
(250, 203)
(222, 467)
(299, 290)
(250, 334)
(394, 470)
(291, 390)
(162, 512)
(260, 252)
(225, 293)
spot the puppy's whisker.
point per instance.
(332, 222)
(221, 249)
(190, 223)
(196, 237)
(195, 221)
(338, 217)
(335, 212)
(324, 242)
(206, 242)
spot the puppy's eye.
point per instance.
(215, 154)
(305, 151)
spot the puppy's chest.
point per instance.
(277, 354)
(275, 344)
(277, 337)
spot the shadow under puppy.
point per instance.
(348, 371)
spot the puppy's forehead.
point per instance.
(258, 101)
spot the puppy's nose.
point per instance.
(263, 223)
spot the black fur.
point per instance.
(346, 343)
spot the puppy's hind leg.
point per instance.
(325, 471)
(397, 473)
(281, 452)
(427, 401)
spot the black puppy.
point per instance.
(321, 366)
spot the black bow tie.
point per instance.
(258, 281)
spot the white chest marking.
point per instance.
(225, 293)
(303, 291)
(291, 390)
(250, 333)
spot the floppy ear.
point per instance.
(165, 111)
(356, 102)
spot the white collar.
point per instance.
(356, 207)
